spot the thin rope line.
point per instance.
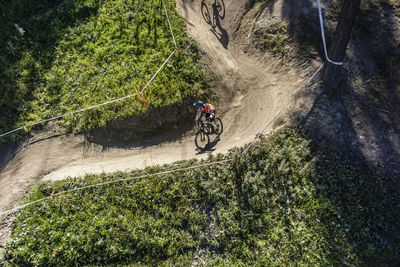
(321, 21)
(152, 78)
(283, 109)
(112, 182)
(169, 23)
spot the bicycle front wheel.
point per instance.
(219, 127)
(201, 140)
(221, 9)
(205, 12)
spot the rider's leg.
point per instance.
(214, 15)
(212, 121)
(208, 118)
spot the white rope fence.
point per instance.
(169, 23)
(321, 21)
(112, 182)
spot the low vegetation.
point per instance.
(62, 56)
(275, 39)
(393, 3)
(289, 201)
(296, 37)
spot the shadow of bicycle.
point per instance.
(210, 147)
(214, 20)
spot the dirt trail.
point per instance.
(252, 92)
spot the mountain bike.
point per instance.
(218, 9)
(204, 129)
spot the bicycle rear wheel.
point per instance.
(219, 127)
(201, 140)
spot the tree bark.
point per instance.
(331, 74)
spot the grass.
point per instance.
(288, 39)
(385, 83)
(61, 56)
(289, 201)
(276, 39)
(294, 38)
(393, 3)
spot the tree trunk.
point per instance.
(331, 74)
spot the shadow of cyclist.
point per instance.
(222, 35)
(215, 22)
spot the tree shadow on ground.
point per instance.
(361, 137)
(360, 121)
(363, 206)
(29, 36)
(364, 112)
(373, 74)
(365, 203)
(369, 98)
(301, 201)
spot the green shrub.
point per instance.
(287, 202)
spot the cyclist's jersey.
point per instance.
(208, 109)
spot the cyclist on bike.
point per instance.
(208, 109)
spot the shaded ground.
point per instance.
(364, 114)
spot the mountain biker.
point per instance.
(208, 109)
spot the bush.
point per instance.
(288, 201)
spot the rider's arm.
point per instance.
(198, 115)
